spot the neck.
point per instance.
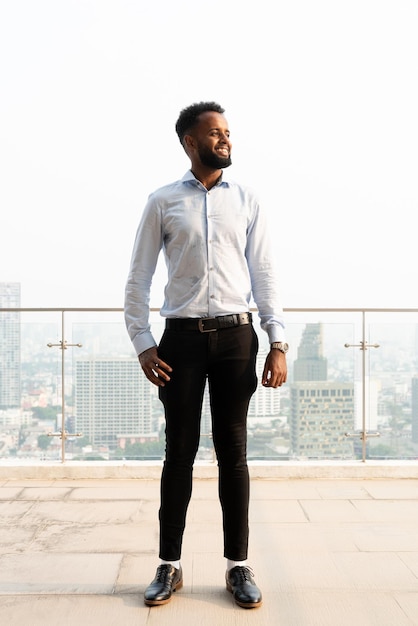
(207, 177)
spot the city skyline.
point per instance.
(111, 410)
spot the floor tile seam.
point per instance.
(405, 563)
(21, 490)
(136, 590)
(375, 500)
(49, 592)
(82, 500)
(341, 522)
(212, 590)
(76, 526)
(60, 593)
(69, 552)
(13, 482)
(75, 498)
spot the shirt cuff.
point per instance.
(143, 341)
(276, 333)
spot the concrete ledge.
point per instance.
(258, 470)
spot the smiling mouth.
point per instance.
(223, 151)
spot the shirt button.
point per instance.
(212, 297)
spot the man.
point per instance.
(214, 237)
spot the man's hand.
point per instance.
(275, 369)
(154, 368)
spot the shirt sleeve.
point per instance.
(147, 247)
(264, 276)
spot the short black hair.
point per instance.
(189, 116)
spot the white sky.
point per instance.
(321, 98)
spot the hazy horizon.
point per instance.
(321, 99)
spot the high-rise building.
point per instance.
(265, 403)
(414, 406)
(321, 415)
(310, 363)
(113, 399)
(9, 346)
(321, 411)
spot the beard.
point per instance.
(209, 159)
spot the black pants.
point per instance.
(226, 358)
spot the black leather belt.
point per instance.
(208, 324)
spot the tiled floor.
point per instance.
(325, 553)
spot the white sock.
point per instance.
(175, 564)
(230, 564)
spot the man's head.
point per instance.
(204, 134)
(189, 117)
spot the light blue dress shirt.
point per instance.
(217, 251)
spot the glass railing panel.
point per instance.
(115, 414)
(392, 386)
(71, 388)
(30, 386)
(313, 416)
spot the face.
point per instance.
(212, 141)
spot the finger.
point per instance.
(265, 376)
(274, 380)
(153, 377)
(161, 369)
(162, 365)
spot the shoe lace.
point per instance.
(162, 573)
(246, 573)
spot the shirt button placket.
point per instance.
(211, 276)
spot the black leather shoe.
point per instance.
(167, 580)
(240, 582)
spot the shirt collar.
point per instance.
(189, 176)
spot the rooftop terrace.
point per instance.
(329, 547)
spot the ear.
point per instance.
(189, 142)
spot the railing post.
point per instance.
(364, 435)
(63, 345)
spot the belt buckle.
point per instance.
(201, 327)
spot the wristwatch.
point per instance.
(279, 345)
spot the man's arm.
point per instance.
(147, 246)
(264, 276)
